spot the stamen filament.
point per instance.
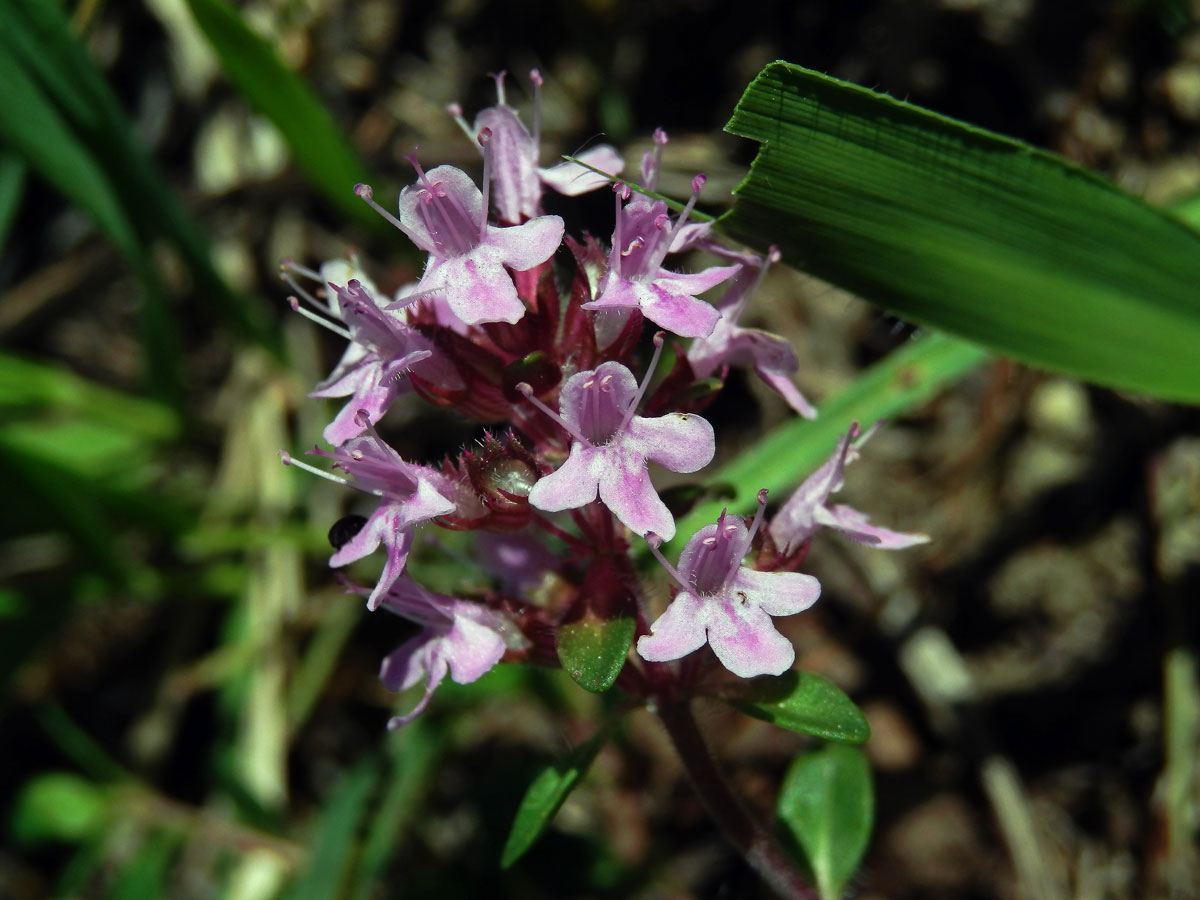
(365, 192)
(665, 247)
(536, 77)
(736, 562)
(641, 392)
(525, 389)
(320, 320)
(499, 79)
(773, 256)
(485, 140)
(289, 460)
(456, 112)
(653, 541)
(303, 270)
(621, 192)
(660, 141)
(285, 273)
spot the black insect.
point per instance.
(344, 530)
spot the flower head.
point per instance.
(458, 637)
(808, 509)
(445, 215)
(610, 448)
(636, 279)
(727, 605)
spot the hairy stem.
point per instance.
(756, 843)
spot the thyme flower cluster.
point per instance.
(540, 335)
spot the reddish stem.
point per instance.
(757, 844)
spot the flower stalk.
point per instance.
(757, 845)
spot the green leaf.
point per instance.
(803, 702)
(1188, 209)
(593, 641)
(27, 386)
(544, 797)
(593, 651)
(31, 127)
(969, 232)
(59, 806)
(315, 139)
(783, 457)
(827, 804)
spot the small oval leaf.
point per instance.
(544, 797)
(59, 806)
(828, 805)
(803, 702)
(593, 651)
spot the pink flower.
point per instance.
(727, 605)
(373, 371)
(459, 638)
(770, 356)
(636, 278)
(610, 448)
(409, 494)
(446, 215)
(513, 155)
(808, 509)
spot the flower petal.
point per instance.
(397, 545)
(522, 247)
(776, 593)
(351, 372)
(694, 282)
(572, 485)
(404, 666)
(677, 632)
(473, 645)
(375, 399)
(456, 184)
(437, 673)
(680, 442)
(745, 640)
(618, 293)
(856, 525)
(516, 190)
(477, 288)
(679, 313)
(572, 179)
(626, 490)
(427, 503)
(783, 386)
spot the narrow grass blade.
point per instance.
(969, 232)
(32, 128)
(317, 143)
(783, 457)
